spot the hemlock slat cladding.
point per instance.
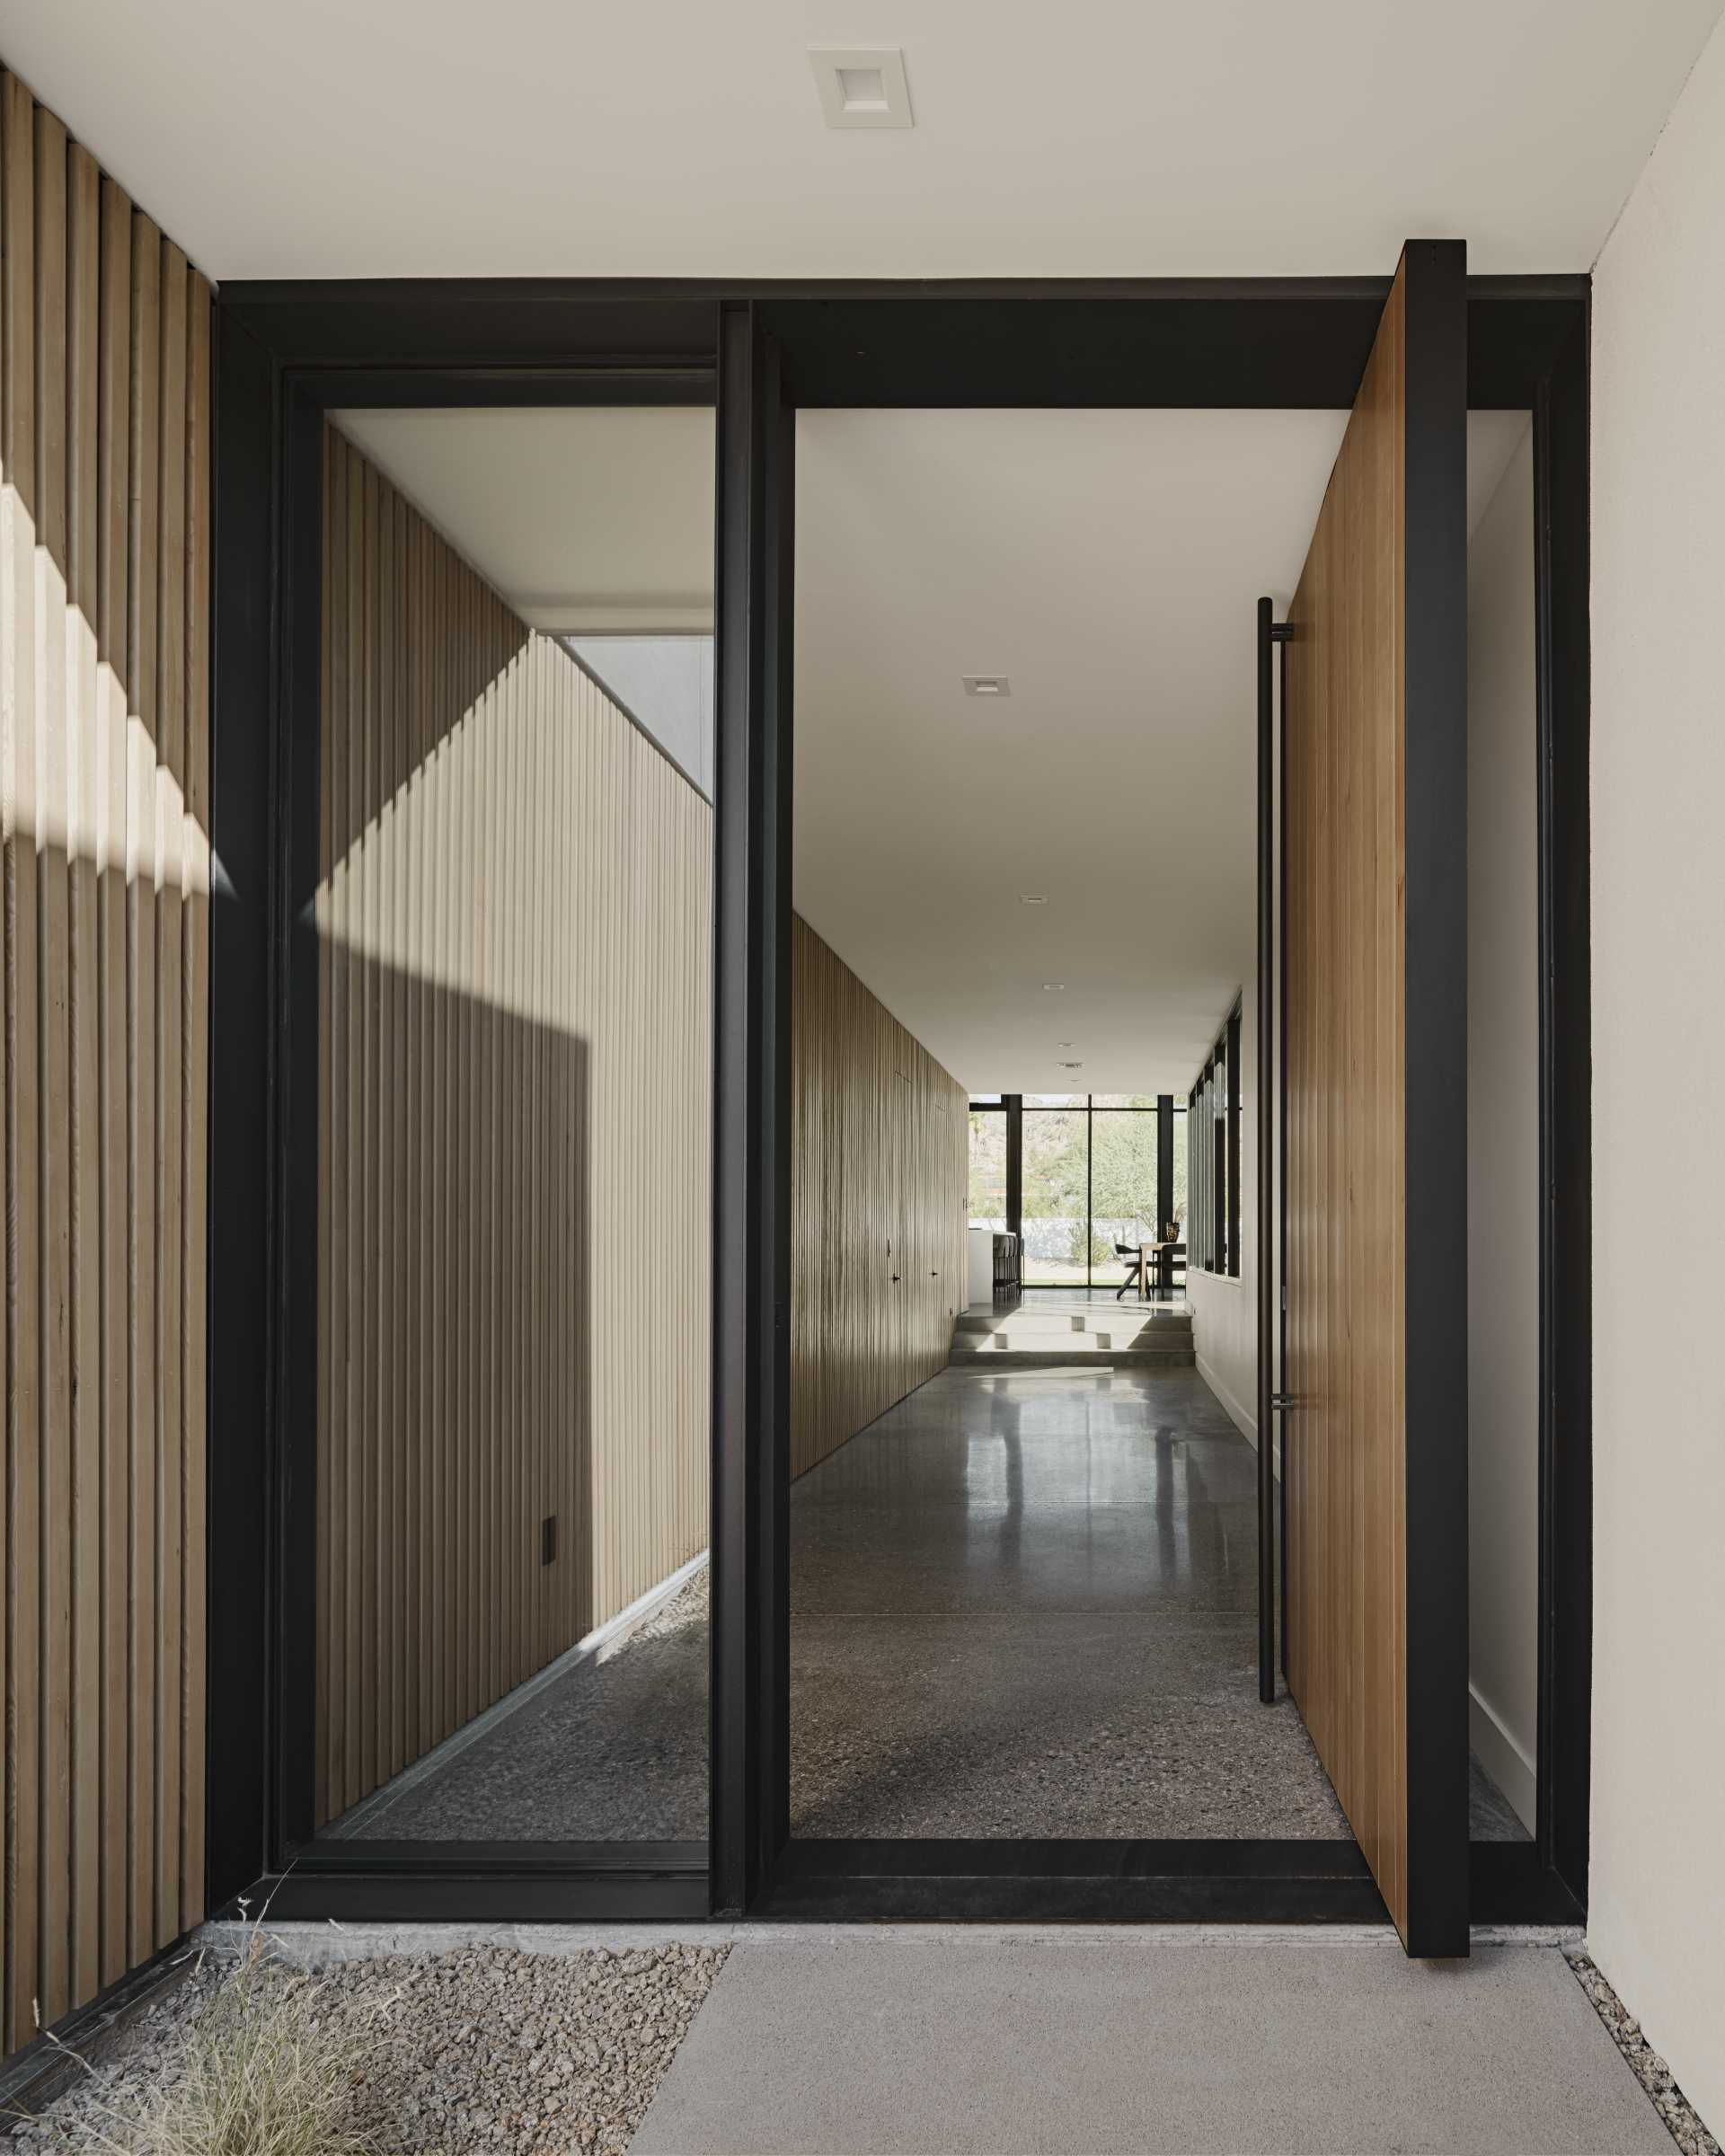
(105, 741)
(514, 1114)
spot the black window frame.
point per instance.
(1215, 1105)
(1164, 1107)
(272, 398)
(1249, 343)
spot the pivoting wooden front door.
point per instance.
(1376, 1459)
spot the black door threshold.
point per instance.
(1069, 1882)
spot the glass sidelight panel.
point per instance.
(1056, 1205)
(513, 1107)
(988, 1168)
(1123, 1181)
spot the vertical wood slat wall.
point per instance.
(880, 1173)
(515, 1102)
(104, 758)
(1346, 843)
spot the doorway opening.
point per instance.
(1023, 1540)
(870, 884)
(786, 1246)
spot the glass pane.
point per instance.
(1056, 1100)
(1145, 1101)
(987, 1170)
(1123, 1187)
(985, 1101)
(1057, 1245)
(665, 685)
(514, 1096)
(1180, 1212)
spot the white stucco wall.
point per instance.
(1657, 1912)
(1503, 1139)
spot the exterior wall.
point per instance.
(881, 1138)
(514, 1113)
(1657, 1901)
(1225, 1306)
(105, 741)
(1503, 1140)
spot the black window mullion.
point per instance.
(1090, 1192)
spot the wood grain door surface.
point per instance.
(1375, 1455)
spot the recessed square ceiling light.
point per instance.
(862, 87)
(986, 684)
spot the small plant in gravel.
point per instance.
(265, 2069)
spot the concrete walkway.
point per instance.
(1083, 2042)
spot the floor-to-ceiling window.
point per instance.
(989, 1201)
(1057, 1191)
(1098, 1171)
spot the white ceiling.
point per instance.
(1107, 138)
(597, 520)
(1108, 563)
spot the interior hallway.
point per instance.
(1024, 1604)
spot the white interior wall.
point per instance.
(1657, 1908)
(1503, 1140)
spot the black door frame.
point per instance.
(285, 350)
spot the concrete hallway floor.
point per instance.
(1151, 2041)
(1025, 1604)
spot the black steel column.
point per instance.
(245, 931)
(750, 1633)
(1016, 1171)
(1090, 1195)
(1163, 1165)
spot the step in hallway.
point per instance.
(1050, 1331)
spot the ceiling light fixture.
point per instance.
(986, 684)
(862, 87)
(1072, 1066)
(1053, 988)
(1032, 898)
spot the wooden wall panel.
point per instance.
(513, 1111)
(1347, 1312)
(879, 1186)
(104, 569)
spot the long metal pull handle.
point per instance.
(1266, 1189)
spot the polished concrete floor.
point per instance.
(1024, 1604)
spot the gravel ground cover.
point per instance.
(484, 2049)
(614, 1749)
(1682, 2120)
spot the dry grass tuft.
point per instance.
(267, 2068)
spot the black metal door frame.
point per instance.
(282, 349)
